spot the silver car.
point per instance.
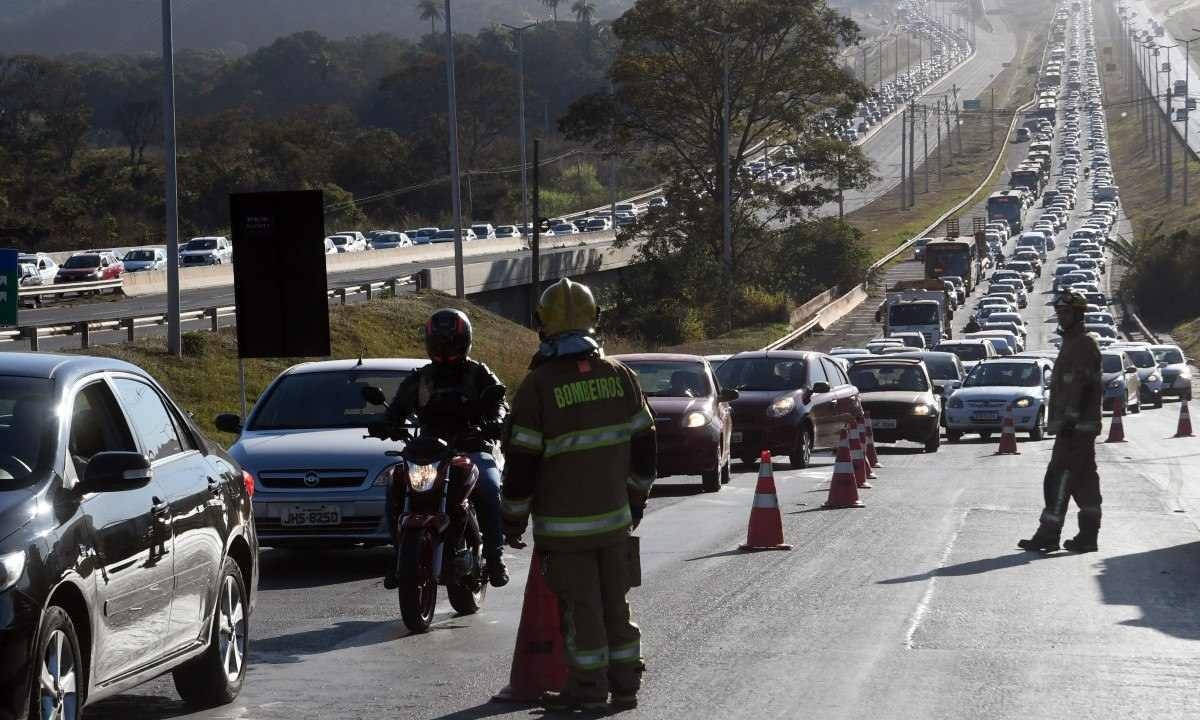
(317, 478)
(1177, 374)
(1150, 378)
(983, 401)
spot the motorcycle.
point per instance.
(438, 540)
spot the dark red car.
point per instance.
(790, 402)
(90, 267)
(691, 413)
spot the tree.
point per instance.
(430, 10)
(553, 5)
(584, 11)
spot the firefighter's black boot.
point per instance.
(1080, 544)
(1040, 542)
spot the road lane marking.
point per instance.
(927, 598)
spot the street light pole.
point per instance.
(455, 188)
(520, 33)
(174, 338)
(1187, 111)
(726, 192)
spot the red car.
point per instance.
(691, 414)
(90, 267)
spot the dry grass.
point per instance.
(1188, 337)
(205, 382)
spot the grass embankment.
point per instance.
(1188, 337)
(883, 224)
(205, 380)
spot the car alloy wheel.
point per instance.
(231, 629)
(58, 679)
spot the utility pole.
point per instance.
(925, 129)
(957, 122)
(912, 156)
(937, 122)
(1187, 112)
(880, 59)
(949, 134)
(726, 179)
(520, 33)
(174, 336)
(992, 113)
(903, 160)
(1170, 129)
(535, 236)
(455, 186)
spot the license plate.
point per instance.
(985, 416)
(735, 438)
(310, 515)
(882, 424)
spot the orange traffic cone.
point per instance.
(539, 660)
(857, 459)
(871, 454)
(1185, 421)
(1008, 435)
(843, 489)
(766, 524)
(1116, 431)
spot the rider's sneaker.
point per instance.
(561, 702)
(497, 573)
(390, 581)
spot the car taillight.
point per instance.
(248, 481)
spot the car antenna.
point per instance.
(360, 359)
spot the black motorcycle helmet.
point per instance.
(448, 336)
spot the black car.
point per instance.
(903, 402)
(789, 402)
(127, 543)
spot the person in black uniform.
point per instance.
(447, 396)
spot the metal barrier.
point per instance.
(85, 329)
(41, 291)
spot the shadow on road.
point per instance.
(294, 647)
(128, 705)
(494, 709)
(288, 569)
(675, 490)
(974, 567)
(1164, 583)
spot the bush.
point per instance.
(755, 306)
(194, 344)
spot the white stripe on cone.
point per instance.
(766, 501)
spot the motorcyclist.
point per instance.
(1076, 392)
(446, 397)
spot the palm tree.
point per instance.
(584, 11)
(430, 10)
(553, 5)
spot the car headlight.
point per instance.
(1115, 384)
(955, 403)
(11, 567)
(386, 476)
(1154, 377)
(695, 420)
(782, 406)
(1023, 402)
(922, 410)
(1186, 374)
(422, 477)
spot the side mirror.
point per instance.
(374, 395)
(728, 395)
(820, 387)
(229, 423)
(1131, 369)
(116, 471)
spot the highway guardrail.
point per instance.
(40, 291)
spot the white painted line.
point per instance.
(927, 598)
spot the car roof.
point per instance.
(886, 360)
(392, 364)
(1014, 358)
(59, 367)
(776, 354)
(661, 357)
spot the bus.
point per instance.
(953, 257)
(1029, 178)
(1006, 205)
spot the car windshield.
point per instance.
(82, 261)
(138, 255)
(1005, 375)
(323, 401)
(339, 240)
(762, 373)
(939, 367)
(885, 378)
(1141, 358)
(201, 245)
(26, 430)
(1171, 356)
(1111, 364)
(672, 379)
(913, 314)
(964, 352)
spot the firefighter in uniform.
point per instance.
(580, 456)
(1076, 394)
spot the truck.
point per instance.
(954, 256)
(921, 306)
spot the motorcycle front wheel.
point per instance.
(466, 594)
(418, 589)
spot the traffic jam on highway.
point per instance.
(131, 544)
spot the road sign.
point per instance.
(10, 278)
(972, 104)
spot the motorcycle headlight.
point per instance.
(422, 477)
(695, 420)
(922, 410)
(1154, 377)
(1115, 384)
(782, 406)
(955, 403)
(1023, 402)
(11, 567)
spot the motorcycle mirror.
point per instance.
(374, 395)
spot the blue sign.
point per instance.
(10, 279)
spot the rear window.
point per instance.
(82, 261)
(1169, 355)
(672, 379)
(1111, 364)
(885, 378)
(964, 352)
(1141, 358)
